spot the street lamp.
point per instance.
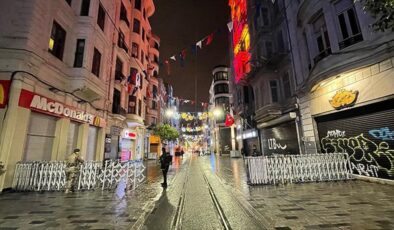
(217, 112)
(169, 112)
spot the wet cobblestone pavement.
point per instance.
(81, 210)
(196, 183)
(351, 204)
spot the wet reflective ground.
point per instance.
(205, 192)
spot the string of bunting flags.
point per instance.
(200, 44)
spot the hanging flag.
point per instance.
(182, 56)
(173, 58)
(209, 39)
(138, 81)
(229, 120)
(199, 44)
(230, 26)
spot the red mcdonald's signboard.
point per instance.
(4, 92)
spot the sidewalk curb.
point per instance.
(374, 180)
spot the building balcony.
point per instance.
(133, 120)
(350, 41)
(274, 110)
(86, 85)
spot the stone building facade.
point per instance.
(73, 74)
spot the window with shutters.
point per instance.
(349, 28)
(101, 17)
(79, 52)
(119, 70)
(123, 14)
(116, 102)
(85, 6)
(137, 4)
(323, 48)
(274, 91)
(136, 26)
(134, 50)
(57, 40)
(96, 62)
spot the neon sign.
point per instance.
(241, 39)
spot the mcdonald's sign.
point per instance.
(4, 91)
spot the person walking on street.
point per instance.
(165, 161)
(74, 161)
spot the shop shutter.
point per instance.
(280, 139)
(92, 143)
(40, 136)
(366, 134)
(72, 138)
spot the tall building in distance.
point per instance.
(220, 101)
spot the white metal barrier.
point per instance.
(298, 168)
(51, 176)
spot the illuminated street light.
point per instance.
(169, 112)
(217, 112)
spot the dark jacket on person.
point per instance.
(165, 160)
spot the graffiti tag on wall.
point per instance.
(368, 157)
(382, 133)
(274, 145)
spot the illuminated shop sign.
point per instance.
(43, 104)
(129, 135)
(247, 134)
(344, 98)
(241, 39)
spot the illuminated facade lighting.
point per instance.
(241, 39)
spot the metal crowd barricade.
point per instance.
(51, 175)
(284, 169)
(114, 172)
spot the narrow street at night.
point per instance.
(205, 192)
(197, 114)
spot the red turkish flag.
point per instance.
(229, 120)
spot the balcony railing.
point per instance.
(322, 55)
(350, 41)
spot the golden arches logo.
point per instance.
(2, 94)
(96, 121)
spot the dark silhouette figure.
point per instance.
(165, 161)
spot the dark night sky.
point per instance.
(181, 23)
